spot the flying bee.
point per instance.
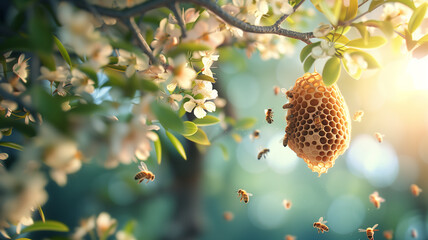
(269, 115)
(244, 195)
(317, 121)
(379, 137)
(276, 90)
(285, 140)
(369, 231)
(287, 106)
(415, 189)
(358, 115)
(255, 135)
(263, 153)
(144, 174)
(376, 199)
(388, 234)
(320, 225)
(286, 203)
(414, 233)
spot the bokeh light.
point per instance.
(345, 214)
(376, 161)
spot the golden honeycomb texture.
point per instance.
(318, 122)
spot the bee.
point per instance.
(228, 216)
(414, 233)
(320, 225)
(269, 115)
(285, 140)
(388, 234)
(244, 195)
(255, 135)
(415, 189)
(379, 137)
(144, 174)
(369, 231)
(288, 105)
(376, 199)
(317, 121)
(289, 94)
(290, 237)
(286, 203)
(276, 90)
(262, 153)
(358, 115)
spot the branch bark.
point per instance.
(208, 4)
(141, 41)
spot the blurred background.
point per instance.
(194, 194)
(190, 197)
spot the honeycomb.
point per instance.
(318, 122)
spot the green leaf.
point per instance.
(158, 149)
(376, 3)
(63, 52)
(372, 42)
(177, 144)
(40, 31)
(42, 215)
(168, 118)
(7, 131)
(130, 226)
(47, 60)
(49, 107)
(23, 239)
(331, 71)
(355, 75)
(417, 17)
(199, 137)
(27, 130)
(385, 26)
(307, 50)
(421, 51)
(245, 123)
(362, 29)
(348, 13)
(107, 232)
(332, 14)
(148, 85)
(337, 37)
(49, 225)
(190, 128)
(423, 39)
(183, 48)
(371, 61)
(224, 151)
(207, 120)
(205, 78)
(410, 43)
(90, 72)
(12, 145)
(308, 64)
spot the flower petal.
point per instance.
(200, 112)
(188, 106)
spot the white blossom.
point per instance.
(133, 62)
(325, 49)
(355, 63)
(198, 106)
(59, 75)
(82, 82)
(208, 58)
(206, 32)
(280, 7)
(122, 235)
(166, 36)
(20, 68)
(322, 30)
(182, 75)
(86, 225)
(106, 225)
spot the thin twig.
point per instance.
(285, 16)
(175, 8)
(361, 4)
(141, 41)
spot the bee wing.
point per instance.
(266, 111)
(361, 230)
(283, 90)
(375, 226)
(250, 194)
(142, 166)
(321, 219)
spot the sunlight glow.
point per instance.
(418, 70)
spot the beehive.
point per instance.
(318, 122)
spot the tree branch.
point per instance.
(285, 16)
(141, 41)
(208, 4)
(175, 8)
